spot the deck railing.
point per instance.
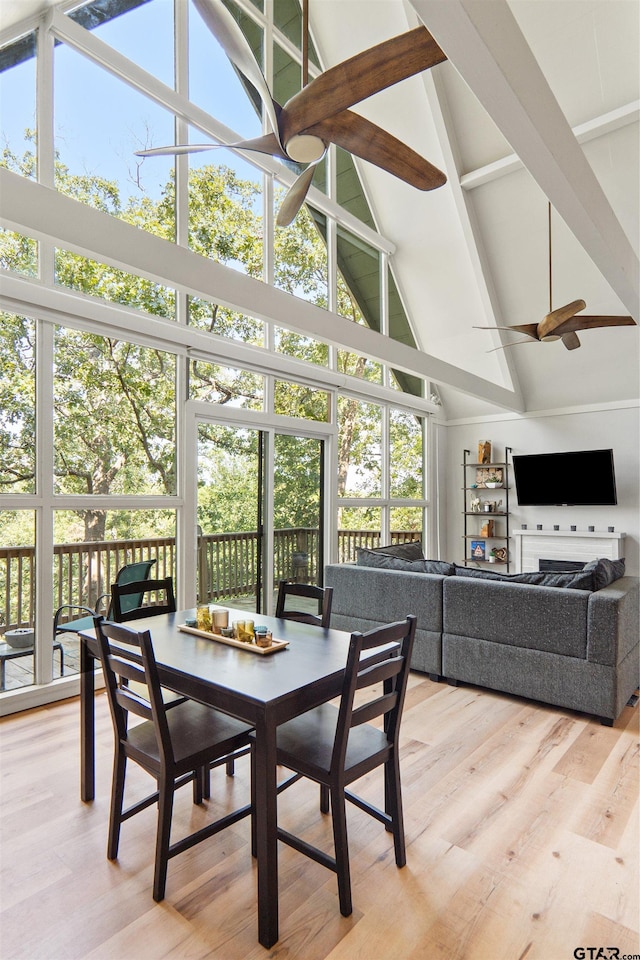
(227, 566)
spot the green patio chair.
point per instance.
(130, 573)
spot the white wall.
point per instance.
(616, 426)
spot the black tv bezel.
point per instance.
(554, 461)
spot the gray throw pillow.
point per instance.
(605, 571)
(440, 567)
(383, 561)
(412, 550)
(579, 580)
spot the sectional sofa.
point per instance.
(571, 639)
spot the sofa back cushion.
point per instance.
(538, 618)
(605, 571)
(575, 580)
(410, 550)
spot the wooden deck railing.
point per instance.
(227, 566)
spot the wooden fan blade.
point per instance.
(267, 144)
(530, 329)
(295, 197)
(571, 341)
(359, 77)
(552, 321)
(370, 142)
(583, 322)
(236, 46)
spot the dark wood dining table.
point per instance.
(263, 690)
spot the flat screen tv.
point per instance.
(577, 478)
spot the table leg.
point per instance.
(87, 723)
(266, 832)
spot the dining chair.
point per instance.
(131, 572)
(308, 591)
(148, 603)
(173, 745)
(336, 745)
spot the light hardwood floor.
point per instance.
(521, 823)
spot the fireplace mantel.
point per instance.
(582, 545)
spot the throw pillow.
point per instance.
(412, 550)
(605, 571)
(440, 567)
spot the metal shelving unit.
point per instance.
(474, 519)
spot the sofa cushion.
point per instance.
(605, 571)
(576, 580)
(411, 550)
(385, 561)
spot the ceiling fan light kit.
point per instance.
(319, 113)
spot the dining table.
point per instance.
(264, 690)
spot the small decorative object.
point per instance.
(475, 505)
(538, 526)
(226, 631)
(493, 481)
(487, 528)
(556, 526)
(203, 617)
(573, 528)
(523, 526)
(474, 486)
(492, 556)
(484, 451)
(220, 618)
(478, 549)
(610, 529)
(487, 506)
(592, 529)
(486, 477)
(191, 622)
(264, 637)
(500, 553)
(20, 638)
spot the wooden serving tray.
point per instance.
(232, 642)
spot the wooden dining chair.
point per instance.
(173, 745)
(336, 745)
(149, 604)
(309, 591)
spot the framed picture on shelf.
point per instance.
(483, 474)
(478, 550)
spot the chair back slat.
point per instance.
(390, 667)
(127, 654)
(139, 590)
(309, 591)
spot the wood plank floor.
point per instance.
(521, 823)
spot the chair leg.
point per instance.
(324, 798)
(341, 847)
(117, 798)
(254, 839)
(393, 798)
(198, 785)
(206, 783)
(165, 810)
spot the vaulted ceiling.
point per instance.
(538, 102)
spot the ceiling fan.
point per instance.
(561, 323)
(318, 115)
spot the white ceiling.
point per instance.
(521, 74)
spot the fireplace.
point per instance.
(559, 546)
(559, 566)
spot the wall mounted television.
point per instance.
(576, 478)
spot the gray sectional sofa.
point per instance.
(573, 646)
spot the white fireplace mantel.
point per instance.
(580, 545)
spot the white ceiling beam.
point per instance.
(591, 130)
(44, 213)
(486, 46)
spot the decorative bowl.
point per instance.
(22, 637)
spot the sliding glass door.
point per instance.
(260, 511)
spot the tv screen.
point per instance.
(577, 478)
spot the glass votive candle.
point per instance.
(203, 617)
(238, 629)
(249, 631)
(220, 618)
(263, 637)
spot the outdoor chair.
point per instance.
(336, 745)
(131, 572)
(174, 746)
(309, 591)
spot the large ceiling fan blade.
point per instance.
(268, 144)
(236, 46)
(570, 340)
(583, 322)
(295, 197)
(358, 78)
(369, 142)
